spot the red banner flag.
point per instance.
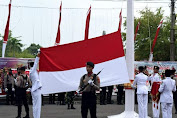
(157, 32)
(137, 28)
(120, 20)
(57, 42)
(6, 33)
(87, 24)
(154, 42)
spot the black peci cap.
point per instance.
(22, 68)
(90, 64)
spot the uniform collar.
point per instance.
(168, 78)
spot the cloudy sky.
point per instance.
(36, 21)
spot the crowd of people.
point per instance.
(17, 85)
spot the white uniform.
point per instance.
(166, 96)
(142, 94)
(155, 107)
(36, 89)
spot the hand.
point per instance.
(13, 89)
(28, 90)
(91, 82)
(6, 89)
(133, 86)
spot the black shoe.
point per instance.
(73, 108)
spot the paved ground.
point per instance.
(60, 111)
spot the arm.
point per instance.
(97, 84)
(135, 81)
(174, 88)
(35, 64)
(5, 81)
(29, 82)
(162, 86)
(13, 82)
(81, 83)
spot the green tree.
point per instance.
(149, 22)
(32, 49)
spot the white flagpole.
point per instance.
(3, 49)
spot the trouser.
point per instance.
(109, 95)
(36, 96)
(119, 94)
(155, 109)
(175, 99)
(88, 102)
(61, 98)
(21, 98)
(166, 110)
(9, 93)
(51, 98)
(142, 105)
(103, 95)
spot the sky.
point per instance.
(36, 21)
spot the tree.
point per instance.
(149, 22)
(32, 49)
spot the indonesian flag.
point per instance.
(6, 33)
(57, 42)
(155, 39)
(87, 24)
(137, 28)
(120, 20)
(61, 67)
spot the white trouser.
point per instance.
(36, 96)
(142, 105)
(156, 109)
(166, 110)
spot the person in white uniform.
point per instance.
(36, 87)
(142, 92)
(155, 78)
(166, 96)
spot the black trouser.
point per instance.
(88, 102)
(21, 99)
(175, 99)
(109, 95)
(61, 98)
(119, 94)
(51, 98)
(11, 93)
(103, 95)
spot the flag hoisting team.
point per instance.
(161, 92)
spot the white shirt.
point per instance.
(166, 88)
(34, 76)
(141, 80)
(154, 78)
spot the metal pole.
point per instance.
(172, 33)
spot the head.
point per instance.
(167, 73)
(22, 69)
(89, 66)
(141, 68)
(30, 65)
(156, 69)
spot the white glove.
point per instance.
(133, 86)
(13, 89)
(6, 89)
(91, 82)
(28, 90)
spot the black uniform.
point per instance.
(120, 94)
(103, 96)
(109, 95)
(89, 94)
(22, 84)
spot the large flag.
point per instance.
(120, 20)
(155, 39)
(61, 67)
(6, 33)
(137, 28)
(57, 42)
(87, 24)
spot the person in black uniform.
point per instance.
(89, 83)
(22, 84)
(103, 96)
(109, 95)
(120, 94)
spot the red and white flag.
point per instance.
(60, 71)
(87, 24)
(57, 42)
(155, 39)
(120, 20)
(137, 28)
(6, 33)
